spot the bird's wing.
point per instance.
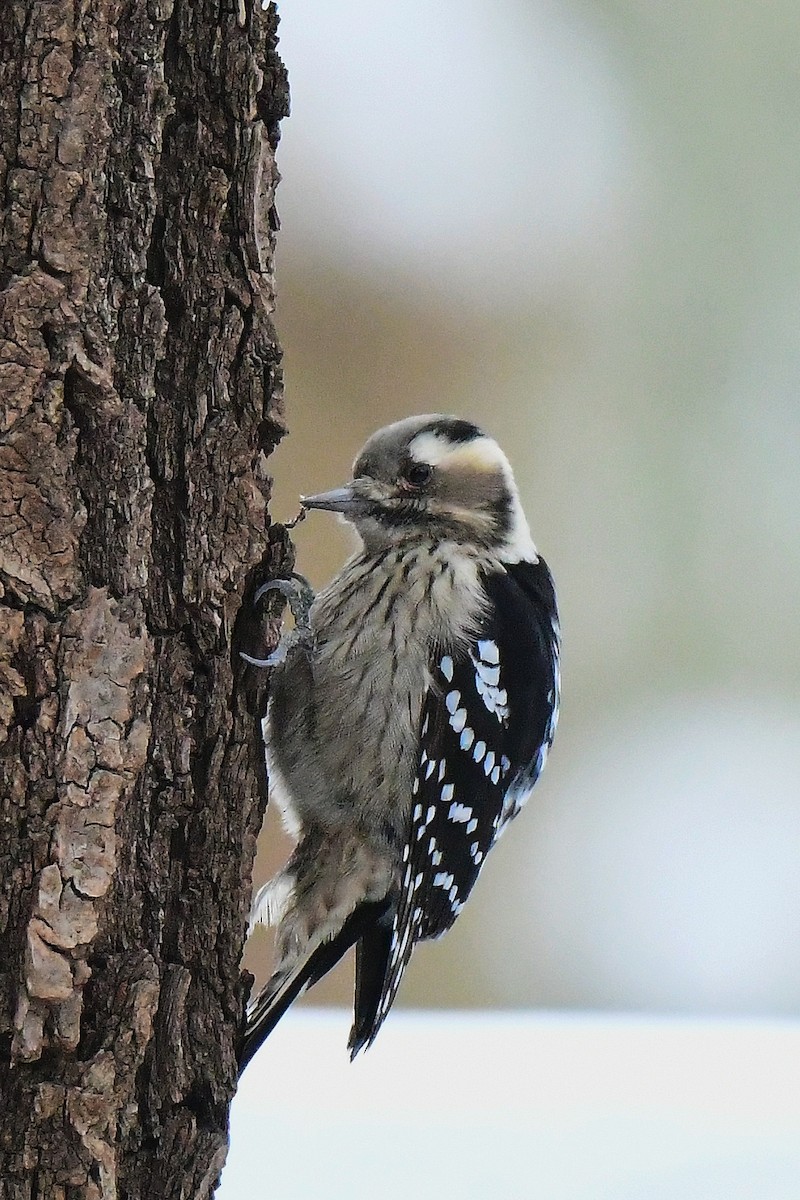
(487, 723)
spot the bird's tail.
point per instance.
(373, 952)
(270, 1005)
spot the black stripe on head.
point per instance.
(456, 431)
(398, 516)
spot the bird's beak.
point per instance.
(341, 500)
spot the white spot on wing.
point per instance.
(459, 720)
(490, 675)
(487, 684)
(488, 651)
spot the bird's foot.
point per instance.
(300, 596)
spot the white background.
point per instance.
(513, 1106)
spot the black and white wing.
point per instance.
(487, 725)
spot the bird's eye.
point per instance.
(417, 474)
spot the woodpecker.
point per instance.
(411, 712)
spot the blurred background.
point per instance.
(578, 225)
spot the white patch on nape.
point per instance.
(271, 901)
(519, 545)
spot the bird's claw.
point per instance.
(297, 591)
(300, 596)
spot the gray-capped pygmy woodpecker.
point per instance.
(411, 712)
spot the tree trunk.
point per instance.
(141, 383)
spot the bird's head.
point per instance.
(433, 478)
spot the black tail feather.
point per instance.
(274, 1000)
(372, 961)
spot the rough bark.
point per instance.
(141, 388)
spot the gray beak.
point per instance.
(341, 500)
